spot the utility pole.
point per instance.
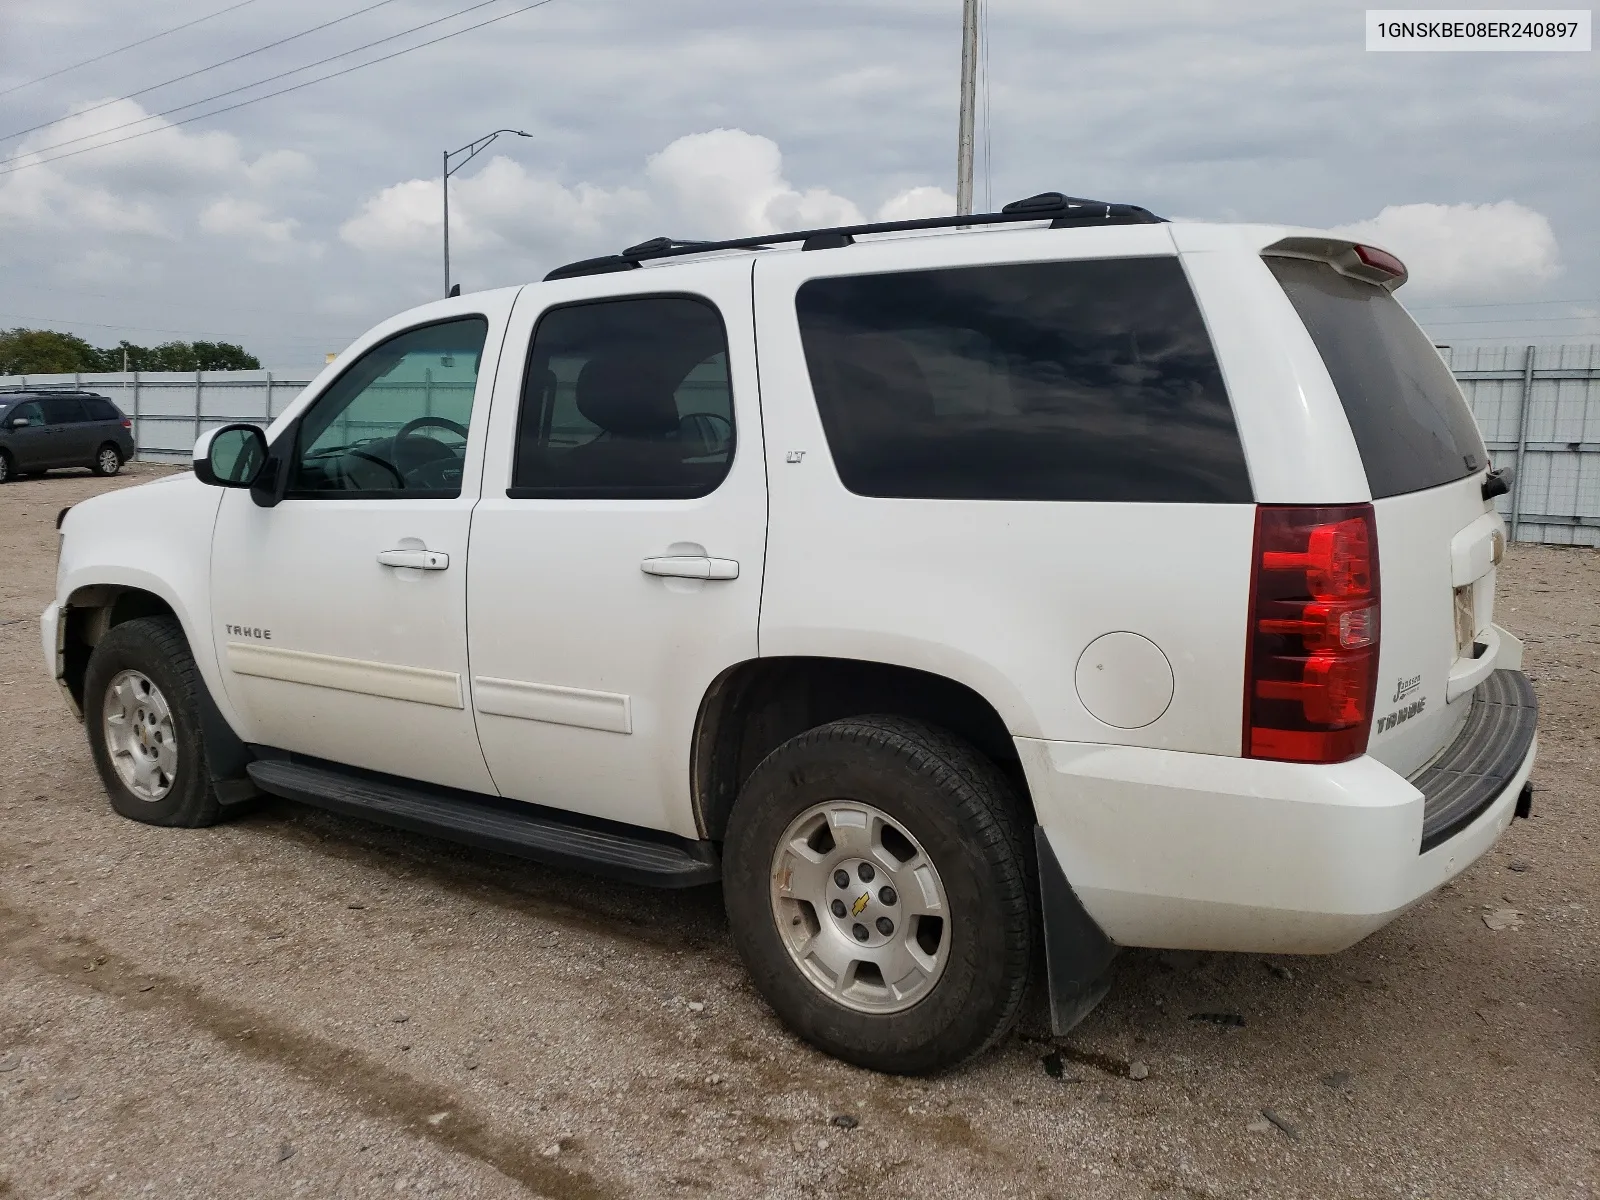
(969, 87)
(444, 186)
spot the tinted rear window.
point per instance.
(101, 409)
(1088, 380)
(62, 410)
(1410, 423)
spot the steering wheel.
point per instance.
(414, 453)
(417, 423)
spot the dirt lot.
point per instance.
(295, 1004)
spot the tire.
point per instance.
(947, 803)
(152, 650)
(107, 460)
(6, 470)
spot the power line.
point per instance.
(280, 92)
(109, 53)
(1510, 321)
(190, 75)
(167, 112)
(191, 333)
(1501, 304)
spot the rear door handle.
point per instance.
(422, 560)
(691, 566)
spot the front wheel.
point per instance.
(143, 723)
(107, 460)
(879, 889)
(7, 471)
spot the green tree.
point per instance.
(43, 351)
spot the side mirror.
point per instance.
(230, 457)
(20, 422)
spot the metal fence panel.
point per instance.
(170, 409)
(1538, 407)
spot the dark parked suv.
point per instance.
(40, 430)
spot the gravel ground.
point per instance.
(296, 1004)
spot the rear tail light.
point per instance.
(1311, 658)
(127, 422)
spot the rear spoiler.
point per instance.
(1354, 259)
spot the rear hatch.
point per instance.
(1438, 538)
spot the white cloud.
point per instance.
(916, 203)
(722, 183)
(399, 217)
(247, 219)
(1466, 251)
(154, 185)
(730, 183)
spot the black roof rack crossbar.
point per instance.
(1061, 211)
(70, 389)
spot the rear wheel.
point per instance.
(144, 724)
(107, 460)
(878, 886)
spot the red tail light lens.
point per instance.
(127, 422)
(1311, 669)
(1381, 260)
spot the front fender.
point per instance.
(154, 538)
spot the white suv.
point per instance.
(1057, 577)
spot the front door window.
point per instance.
(395, 423)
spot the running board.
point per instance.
(490, 823)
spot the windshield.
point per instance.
(1410, 422)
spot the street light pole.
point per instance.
(471, 150)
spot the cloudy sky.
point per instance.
(293, 224)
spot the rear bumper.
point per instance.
(1205, 852)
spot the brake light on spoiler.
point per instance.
(1355, 259)
(1311, 654)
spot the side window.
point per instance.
(627, 399)
(1089, 380)
(101, 409)
(29, 412)
(63, 411)
(395, 423)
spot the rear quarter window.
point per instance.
(101, 409)
(1085, 380)
(1411, 425)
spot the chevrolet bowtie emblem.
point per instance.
(861, 903)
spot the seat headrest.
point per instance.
(622, 399)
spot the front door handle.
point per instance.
(691, 566)
(422, 560)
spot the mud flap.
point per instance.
(1077, 954)
(226, 755)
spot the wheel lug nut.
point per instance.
(861, 932)
(841, 878)
(839, 909)
(887, 896)
(885, 926)
(866, 872)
